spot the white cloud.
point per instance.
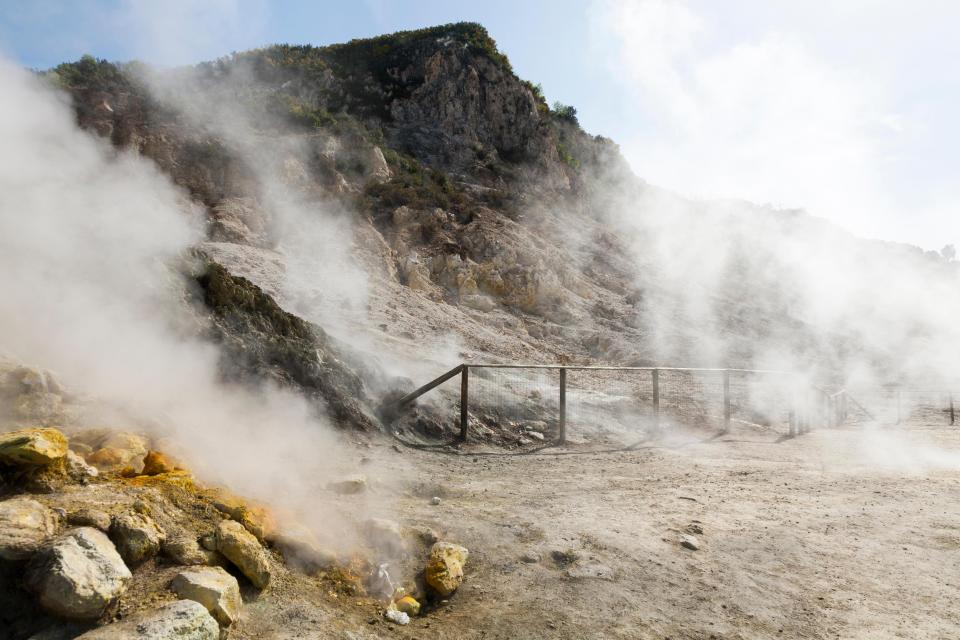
(762, 116)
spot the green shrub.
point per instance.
(566, 157)
(565, 112)
(419, 190)
(88, 72)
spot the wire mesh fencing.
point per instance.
(523, 401)
(904, 406)
(531, 404)
(547, 403)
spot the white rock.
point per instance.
(25, 524)
(212, 587)
(397, 617)
(78, 575)
(78, 469)
(180, 620)
(689, 542)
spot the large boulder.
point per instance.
(444, 571)
(137, 537)
(41, 446)
(243, 549)
(212, 587)
(180, 620)
(25, 524)
(78, 575)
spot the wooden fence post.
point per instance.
(656, 398)
(952, 416)
(726, 400)
(464, 402)
(898, 406)
(562, 430)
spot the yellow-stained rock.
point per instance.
(136, 444)
(240, 547)
(108, 458)
(256, 518)
(124, 449)
(182, 479)
(156, 462)
(40, 446)
(444, 571)
(408, 605)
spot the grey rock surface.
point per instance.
(78, 575)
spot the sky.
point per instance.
(844, 109)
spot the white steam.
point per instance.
(752, 102)
(88, 235)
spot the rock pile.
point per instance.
(79, 561)
(112, 523)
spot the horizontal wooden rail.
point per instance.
(586, 367)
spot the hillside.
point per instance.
(468, 212)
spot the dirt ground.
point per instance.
(845, 533)
(849, 533)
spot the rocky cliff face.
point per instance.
(431, 144)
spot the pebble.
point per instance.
(435, 500)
